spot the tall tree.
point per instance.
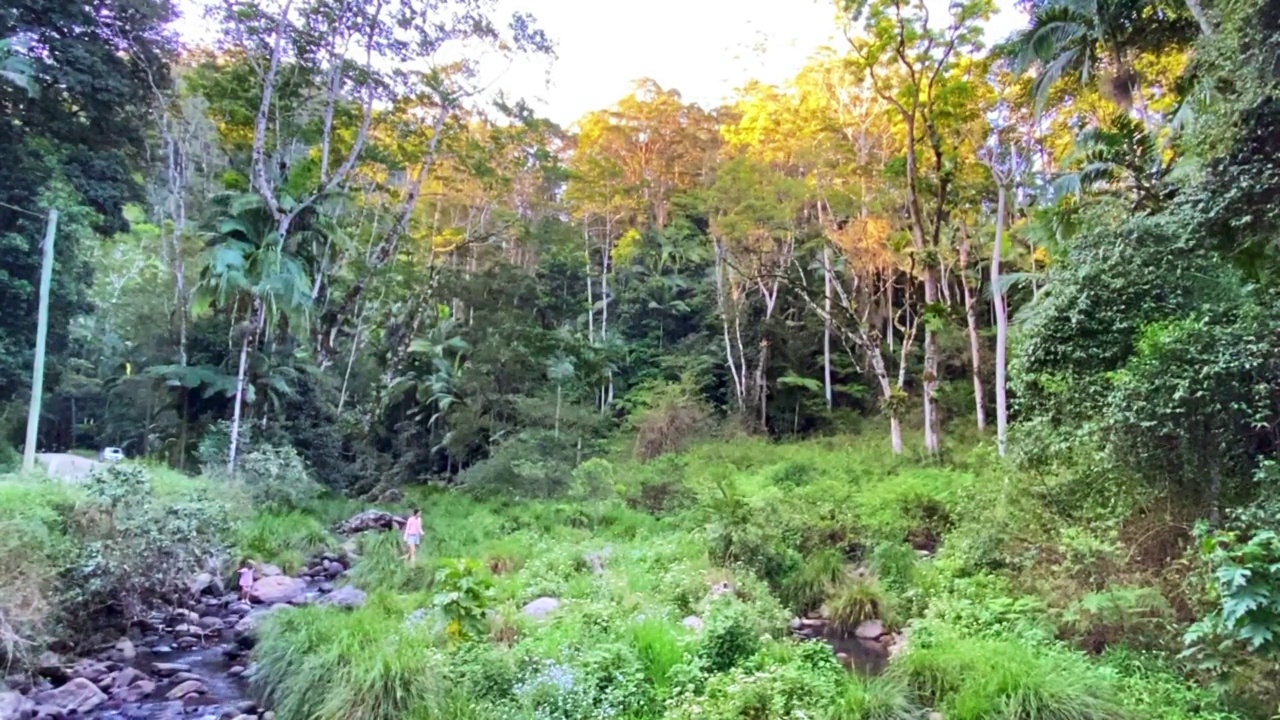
(926, 75)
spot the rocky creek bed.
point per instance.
(188, 662)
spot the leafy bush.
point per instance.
(34, 547)
(1245, 590)
(729, 637)
(857, 600)
(463, 594)
(276, 479)
(780, 683)
(136, 550)
(1135, 616)
(533, 464)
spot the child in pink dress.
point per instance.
(246, 580)
(413, 534)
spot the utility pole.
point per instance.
(42, 334)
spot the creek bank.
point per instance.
(190, 662)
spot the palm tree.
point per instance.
(1122, 158)
(250, 270)
(1094, 39)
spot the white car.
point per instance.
(111, 454)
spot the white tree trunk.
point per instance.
(975, 344)
(826, 326)
(1002, 328)
(932, 423)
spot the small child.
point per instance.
(246, 580)
(413, 535)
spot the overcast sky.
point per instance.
(703, 48)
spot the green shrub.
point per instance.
(34, 548)
(137, 550)
(782, 682)
(276, 479)
(979, 679)
(857, 600)
(729, 637)
(985, 606)
(373, 663)
(463, 595)
(287, 540)
(1150, 688)
(1135, 616)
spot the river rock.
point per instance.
(211, 622)
(203, 583)
(92, 670)
(78, 696)
(189, 687)
(541, 608)
(869, 629)
(347, 596)
(183, 616)
(169, 669)
(13, 705)
(239, 608)
(50, 665)
(236, 671)
(126, 677)
(123, 651)
(277, 589)
(693, 622)
(369, 520)
(137, 692)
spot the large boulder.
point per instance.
(347, 596)
(79, 696)
(369, 520)
(541, 608)
(277, 589)
(13, 705)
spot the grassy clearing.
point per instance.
(644, 629)
(788, 527)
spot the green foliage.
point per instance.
(276, 479)
(730, 636)
(661, 647)
(973, 679)
(857, 600)
(1244, 589)
(463, 594)
(1135, 616)
(809, 585)
(137, 550)
(373, 663)
(287, 540)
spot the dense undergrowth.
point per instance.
(1012, 610)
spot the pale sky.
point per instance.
(703, 48)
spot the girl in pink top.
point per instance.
(246, 580)
(413, 534)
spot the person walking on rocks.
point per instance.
(246, 580)
(413, 535)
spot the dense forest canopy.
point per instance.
(320, 230)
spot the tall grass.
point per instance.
(857, 600)
(659, 644)
(979, 679)
(288, 540)
(371, 664)
(818, 574)
(872, 698)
